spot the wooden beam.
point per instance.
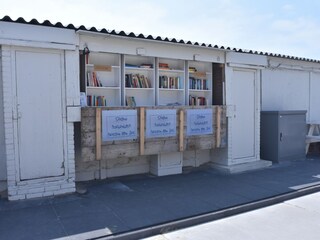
(218, 126)
(181, 130)
(142, 126)
(98, 133)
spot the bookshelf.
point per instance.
(199, 84)
(103, 79)
(138, 81)
(170, 82)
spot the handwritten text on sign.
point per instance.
(199, 121)
(119, 125)
(161, 123)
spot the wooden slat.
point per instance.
(98, 134)
(181, 130)
(218, 126)
(142, 124)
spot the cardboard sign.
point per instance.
(119, 125)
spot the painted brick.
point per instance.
(16, 197)
(22, 191)
(63, 191)
(36, 190)
(47, 194)
(68, 185)
(52, 188)
(34, 195)
(11, 178)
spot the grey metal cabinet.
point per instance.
(283, 135)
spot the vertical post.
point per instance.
(181, 130)
(218, 126)
(142, 124)
(98, 133)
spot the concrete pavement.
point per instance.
(294, 219)
(143, 205)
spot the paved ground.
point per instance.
(294, 219)
(126, 204)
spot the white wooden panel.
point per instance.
(16, 31)
(40, 126)
(3, 169)
(285, 90)
(105, 43)
(72, 78)
(245, 58)
(314, 115)
(243, 123)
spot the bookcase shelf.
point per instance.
(103, 79)
(199, 89)
(116, 79)
(170, 82)
(138, 80)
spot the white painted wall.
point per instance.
(116, 44)
(285, 89)
(3, 169)
(314, 114)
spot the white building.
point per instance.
(43, 71)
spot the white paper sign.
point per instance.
(199, 121)
(161, 123)
(119, 125)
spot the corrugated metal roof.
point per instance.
(47, 23)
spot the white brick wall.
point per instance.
(31, 188)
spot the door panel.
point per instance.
(39, 108)
(243, 124)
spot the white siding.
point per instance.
(3, 169)
(284, 89)
(314, 114)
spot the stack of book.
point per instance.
(96, 101)
(198, 101)
(136, 81)
(146, 65)
(92, 80)
(164, 66)
(169, 82)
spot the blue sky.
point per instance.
(286, 27)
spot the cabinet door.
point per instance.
(291, 136)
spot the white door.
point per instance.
(39, 78)
(243, 122)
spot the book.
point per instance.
(164, 66)
(130, 101)
(136, 81)
(146, 65)
(198, 101)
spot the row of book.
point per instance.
(96, 100)
(170, 82)
(137, 81)
(92, 80)
(198, 84)
(198, 101)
